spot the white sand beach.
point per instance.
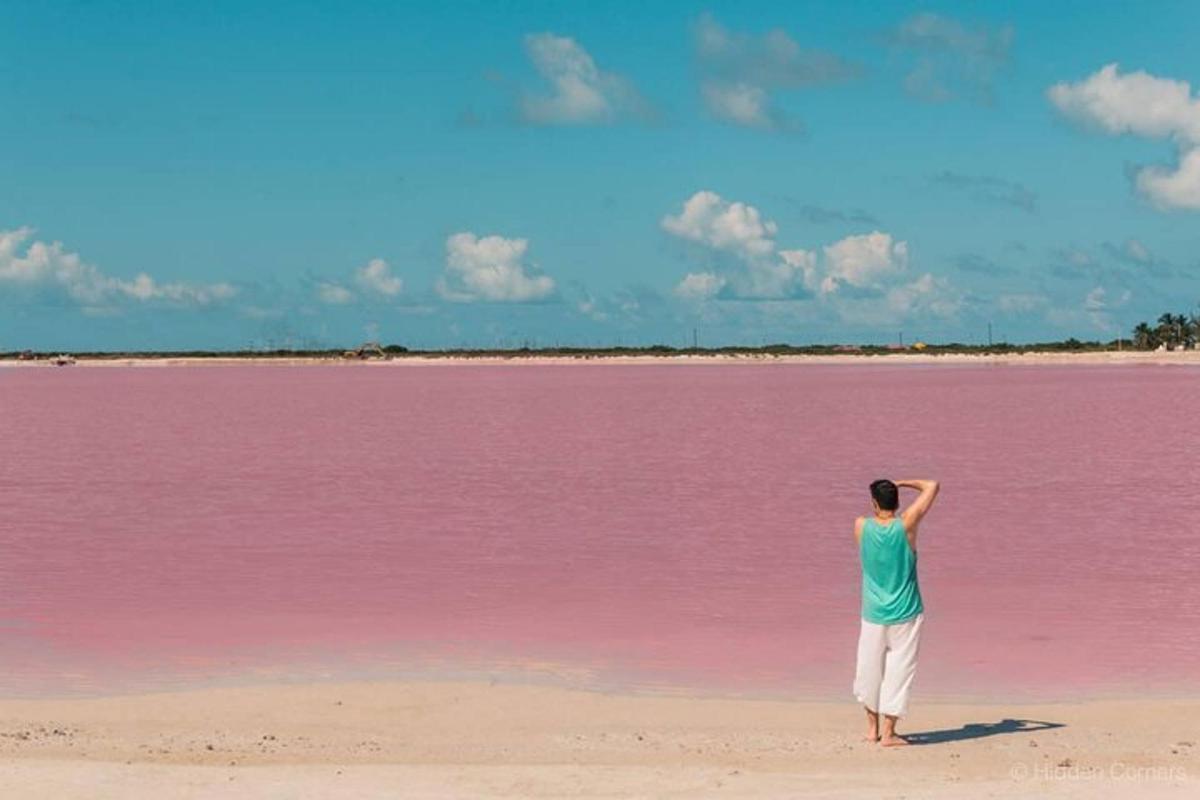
(481, 740)
(1108, 357)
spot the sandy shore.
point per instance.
(1183, 357)
(476, 740)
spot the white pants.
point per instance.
(887, 662)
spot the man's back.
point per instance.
(890, 590)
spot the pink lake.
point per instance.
(643, 525)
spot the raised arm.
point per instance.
(918, 508)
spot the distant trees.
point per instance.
(1173, 331)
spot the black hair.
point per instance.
(886, 495)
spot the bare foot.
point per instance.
(872, 726)
(893, 740)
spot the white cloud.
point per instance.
(863, 261)
(1133, 102)
(1178, 188)
(734, 227)
(740, 103)
(35, 263)
(377, 277)
(1142, 104)
(872, 266)
(334, 294)
(580, 91)
(699, 286)
(927, 295)
(739, 70)
(489, 269)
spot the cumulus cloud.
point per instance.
(1173, 188)
(700, 286)
(376, 277)
(490, 269)
(928, 294)
(735, 227)
(949, 59)
(739, 70)
(373, 279)
(579, 91)
(37, 264)
(1142, 104)
(865, 273)
(863, 261)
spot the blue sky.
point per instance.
(483, 174)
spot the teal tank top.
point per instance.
(890, 593)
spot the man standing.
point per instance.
(892, 612)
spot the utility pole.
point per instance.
(902, 338)
(989, 335)
(695, 340)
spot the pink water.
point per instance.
(666, 525)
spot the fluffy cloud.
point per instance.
(863, 261)
(489, 269)
(1144, 105)
(858, 276)
(38, 264)
(374, 278)
(929, 295)
(699, 286)
(739, 70)
(950, 59)
(742, 104)
(734, 227)
(1134, 102)
(580, 92)
(377, 277)
(1173, 188)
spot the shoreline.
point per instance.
(479, 739)
(1113, 357)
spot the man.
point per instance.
(892, 612)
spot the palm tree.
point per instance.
(1144, 337)
(1183, 331)
(1170, 329)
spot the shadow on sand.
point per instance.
(977, 730)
